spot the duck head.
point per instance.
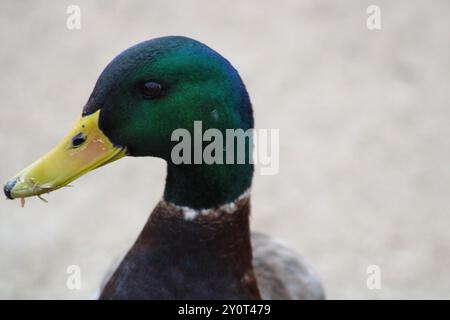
(142, 96)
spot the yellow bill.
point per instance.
(83, 149)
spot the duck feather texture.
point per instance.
(218, 259)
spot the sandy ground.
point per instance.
(364, 149)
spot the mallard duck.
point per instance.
(196, 243)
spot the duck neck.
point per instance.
(206, 186)
(211, 248)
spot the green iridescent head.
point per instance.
(159, 85)
(142, 96)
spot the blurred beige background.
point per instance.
(363, 116)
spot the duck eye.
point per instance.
(152, 90)
(78, 140)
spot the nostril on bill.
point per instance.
(78, 140)
(8, 187)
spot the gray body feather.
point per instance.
(281, 273)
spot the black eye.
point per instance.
(78, 140)
(152, 90)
